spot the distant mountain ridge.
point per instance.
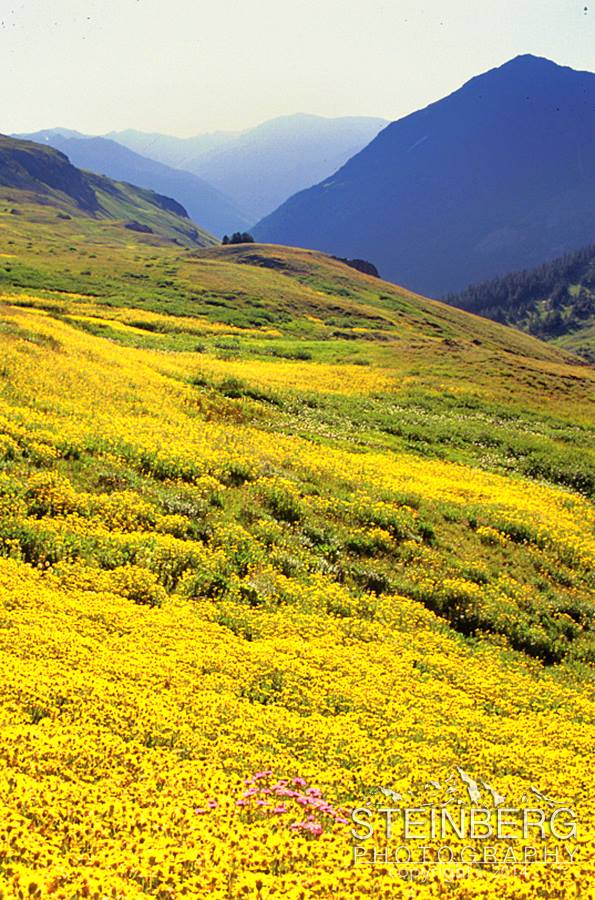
(170, 150)
(38, 174)
(263, 166)
(498, 176)
(555, 302)
(207, 206)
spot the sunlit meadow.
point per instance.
(273, 535)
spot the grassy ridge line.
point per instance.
(286, 284)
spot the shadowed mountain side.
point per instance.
(498, 176)
(263, 166)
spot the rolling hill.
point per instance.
(263, 166)
(207, 206)
(40, 183)
(555, 301)
(274, 533)
(44, 186)
(498, 176)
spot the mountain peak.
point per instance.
(528, 66)
(496, 177)
(531, 59)
(523, 67)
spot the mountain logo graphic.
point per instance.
(461, 788)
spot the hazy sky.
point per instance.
(188, 66)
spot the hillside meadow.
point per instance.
(274, 535)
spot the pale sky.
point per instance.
(185, 67)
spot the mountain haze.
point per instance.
(500, 175)
(263, 166)
(205, 205)
(173, 151)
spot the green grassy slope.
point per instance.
(293, 345)
(450, 385)
(39, 182)
(259, 511)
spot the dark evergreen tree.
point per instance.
(241, 237)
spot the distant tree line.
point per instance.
(550, 300)
(362, 265)
(238, 237)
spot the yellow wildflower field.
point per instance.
(244, 593)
